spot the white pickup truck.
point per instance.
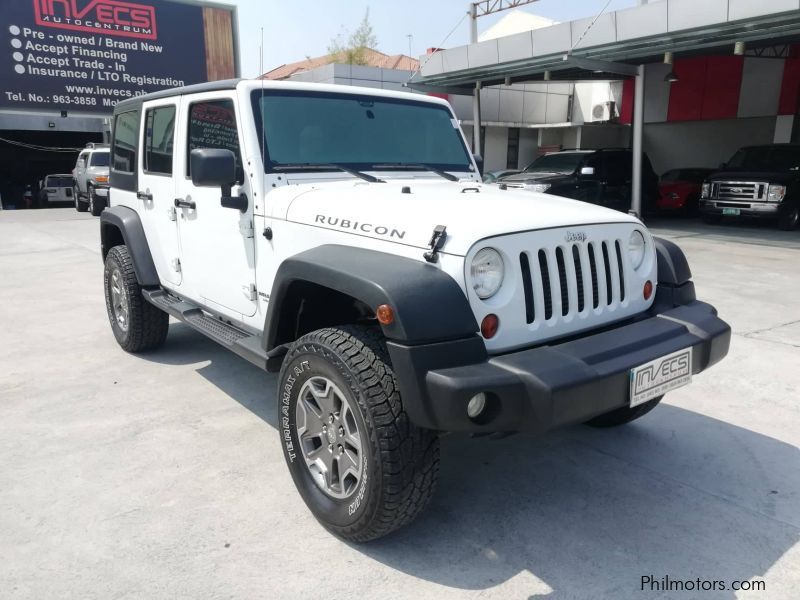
(342, 238)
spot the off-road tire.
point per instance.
(94, 208)
(790, 219)
(79, 206)
(400, 461)
(624, 415)
(146, 325)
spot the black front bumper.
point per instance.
(548, 386)
(757, 210)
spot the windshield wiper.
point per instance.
(323, 166)
(418, 167)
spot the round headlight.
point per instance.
(487, 272)
(636, 249)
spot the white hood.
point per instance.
(470, 211)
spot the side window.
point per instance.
(82, 160)
(158, 138)
(212, 124)
(126, 130)
(618, 167)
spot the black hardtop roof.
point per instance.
(211, 86)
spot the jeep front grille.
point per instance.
(743, 191)
(572, 279)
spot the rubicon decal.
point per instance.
(109, 17)
(360, 227)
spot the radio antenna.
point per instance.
(263, 127)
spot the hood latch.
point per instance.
(437, 241)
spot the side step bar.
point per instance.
(242, 343)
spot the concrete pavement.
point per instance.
(161, 475)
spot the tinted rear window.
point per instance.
(58, 182)
(126, 133)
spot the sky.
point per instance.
(295, 29)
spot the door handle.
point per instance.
(181, 203)
(144, 196)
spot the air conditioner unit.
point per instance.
(604, 112)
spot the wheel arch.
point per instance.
(428, 304)
(122, 225)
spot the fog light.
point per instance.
(476, 405)
(648, 290)
(385, 314)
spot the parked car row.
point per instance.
(86, 187)
(759, 181)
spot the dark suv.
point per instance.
(597, 176)
(759, 181)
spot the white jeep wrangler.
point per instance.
(342, 237)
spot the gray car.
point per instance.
(91, 179)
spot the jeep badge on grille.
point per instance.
(575, 236)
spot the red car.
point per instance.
(679, 190)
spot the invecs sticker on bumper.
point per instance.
(660, 376)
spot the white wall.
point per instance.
(496, 152)
(703, 143)
(528, 146)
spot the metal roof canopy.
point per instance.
(598, 62)
(625, 41)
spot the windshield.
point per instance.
(359, 132)
(559, 162)
(766, 158)
(58, 181)
(99, 159)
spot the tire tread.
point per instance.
(148, 325)
(409, 456)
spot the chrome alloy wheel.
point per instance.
(119, 300)
(329, 437)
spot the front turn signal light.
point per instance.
(385, 314)
(489, 326)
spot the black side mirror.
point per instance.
(479, 162)
(212, 167)
(216, 167)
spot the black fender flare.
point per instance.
(428, 304)
(673, 268)
(675, 285)
(129, 225)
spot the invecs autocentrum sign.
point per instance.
(109, 17)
